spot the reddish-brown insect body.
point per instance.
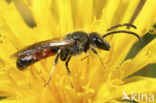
(43, 54)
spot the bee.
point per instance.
(72, 44)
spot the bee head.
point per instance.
(98, 41)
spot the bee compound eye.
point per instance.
(97, 41)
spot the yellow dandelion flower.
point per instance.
(89, 82)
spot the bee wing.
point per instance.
(37, 47)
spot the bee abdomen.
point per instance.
(24, 62)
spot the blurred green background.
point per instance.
(149, 70)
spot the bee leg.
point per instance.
(52, 70)
(95, 52)
(68, 70)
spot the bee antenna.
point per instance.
(122, 31)
(120, 25)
